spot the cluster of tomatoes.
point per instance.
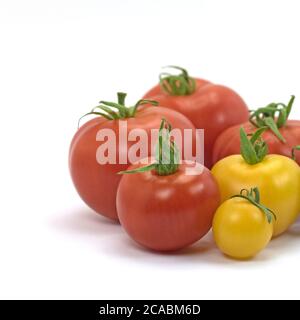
(248, 190)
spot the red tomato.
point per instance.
(167, 212)
(97, 184)
(211, 107)
(228, 142)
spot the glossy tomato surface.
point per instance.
(228, 142)
(97, 183)
(277, 178)
(167, 212)
(241, 229)
(211, 107)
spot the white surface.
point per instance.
(57, 59)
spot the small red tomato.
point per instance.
(211, 107)
(164, 208)
(97, 183)
(281, 135)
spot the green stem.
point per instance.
(101, 114)
(296, 148)
(179, 84)
(255, 149)
(253, 197)
(117, 110)
(121, 98)
(121, 108)
(132, 110)
(274, 116)
(166, 157)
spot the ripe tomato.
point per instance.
(211, 107)
(228, 142)
(161, 206)
(241, 228)
(97, 183)
(277, 177)
(167, 212)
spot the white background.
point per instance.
(58, 58)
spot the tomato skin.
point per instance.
(277, 178)
(228, 142)
(211, 107)
(97, 184)
(166, 213)
(241, 229)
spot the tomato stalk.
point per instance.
(167, 156)
(273, 116)
(253, 197)
(117, 110)
(296, 148)
(177, 85)
(253, 149)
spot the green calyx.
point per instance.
(296, 148)
(253, 197)
(273, 116)
(179, 84)
(117, 110)
(166, 155)
(253, 147)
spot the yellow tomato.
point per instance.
(241, 229)
(277, 178)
